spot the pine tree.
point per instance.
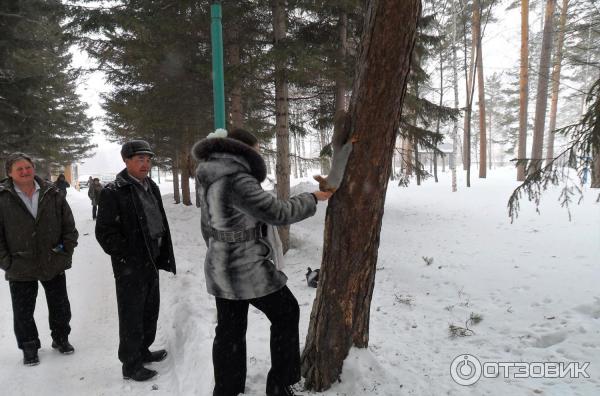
(40, 112)
(542, 89)
(351, 242)
(156, 56)
(420, 114)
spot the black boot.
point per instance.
(30, 354)
(156, 356)
(63, 346)
(281, 390)
(138, 373)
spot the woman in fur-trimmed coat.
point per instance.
(239, 264)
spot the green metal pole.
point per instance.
(216, 31)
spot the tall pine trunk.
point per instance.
(489, 141)
(467, 121)
(586, 69)
(595, 177)
(296, 155)
(556, 81)
(437, 127)
(407, 156)
(470, 84)
(476, 35)
(340, 315)
(456, 103)
(233, 58)
(523, 90)
(542, 90)
(595, 182)
(282, 168)
(185, 177)
(175, 169)
(418, 166)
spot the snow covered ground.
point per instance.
(535, 283)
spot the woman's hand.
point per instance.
(322, 195)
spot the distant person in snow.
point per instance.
(132, 228)
(94, 189)
(37, 239)
(241, 262)
(62, 184)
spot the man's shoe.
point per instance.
(63, 346)
(30, 356)
(280, 390)
(156, 356)
(139, 373)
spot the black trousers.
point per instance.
(229, 347)
(94, 210)
(24, 295)
(138, 301)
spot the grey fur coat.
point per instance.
(229, 176)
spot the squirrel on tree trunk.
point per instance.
(341, 145)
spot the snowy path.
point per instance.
(535, 282)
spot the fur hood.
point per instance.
(220, 157)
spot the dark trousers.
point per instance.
(229, 347)
(94, 210)
(138, 300)
(24, 295)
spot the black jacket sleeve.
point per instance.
(108, 224)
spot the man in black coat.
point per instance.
(94, 190)
(132, 228)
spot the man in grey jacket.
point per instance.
(37, 239)
(239, 265)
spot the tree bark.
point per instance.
(233, 58)
(595, 177)
(556, 81)
(456, 103)
(468, 108)
(586, 69)
(489, 141)
(480, 88)
(407, 156)
(542, 90)
(418, 167)
(467, 121)
(340, 315)
(295, 154)
(437, 127)
(185, 178)
(595, 182)
(282, 167)
(523, 90)
(175, 169)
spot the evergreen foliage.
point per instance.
(40, 112)
(419, 114)
(571, 166)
